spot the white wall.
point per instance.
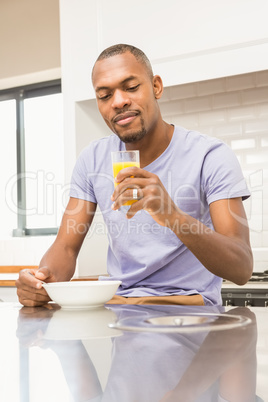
(88, 127)
(187, 41)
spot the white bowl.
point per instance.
(81, 294)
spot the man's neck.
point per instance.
(153, 145)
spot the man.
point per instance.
(188, 228)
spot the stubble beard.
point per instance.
(135, 136)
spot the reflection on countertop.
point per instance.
(60, 355)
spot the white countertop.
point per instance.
(83, 359)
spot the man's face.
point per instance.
(126, 96)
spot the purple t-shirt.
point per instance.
(149, 259)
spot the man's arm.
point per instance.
(225, 251)
(58, 263)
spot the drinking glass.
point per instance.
(124, 159)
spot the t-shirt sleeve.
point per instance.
(81, 182)
(222, 176)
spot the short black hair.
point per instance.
(123, 48)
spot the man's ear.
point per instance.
(157, 86)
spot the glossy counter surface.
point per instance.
(50, 354)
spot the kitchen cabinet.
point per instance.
(185, 40)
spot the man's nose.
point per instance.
(120, 99)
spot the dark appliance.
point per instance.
(254, 293)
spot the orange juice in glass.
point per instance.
(122, 160)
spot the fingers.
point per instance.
(32, 298)
(150, 191)
(42, 274)
(131, 172)
(149, 195)
(125, 195)
(30, 290)
(27, 279)
(141, 183)
(129, 183)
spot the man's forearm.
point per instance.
(225, 256)
(60, 260)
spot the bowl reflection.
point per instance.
(81, 324)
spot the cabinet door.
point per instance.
(186, 40)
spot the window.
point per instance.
(7, 162)
(31, 139)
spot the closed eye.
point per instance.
(132, 89)
(104, 97)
